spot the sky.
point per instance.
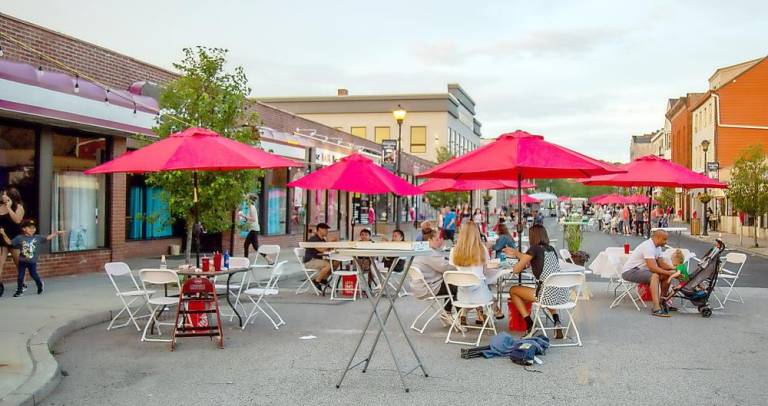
(585, 74)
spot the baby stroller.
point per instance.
(702, 281)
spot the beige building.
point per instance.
(641, 145)
(660, 143)
(433, 120)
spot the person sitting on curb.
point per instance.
(646, 265)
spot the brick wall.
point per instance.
(104, 65)
(146, 248)
(60, 264)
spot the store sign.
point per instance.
(327, 157)
(713, 170)
(389, 154)
(283, 150)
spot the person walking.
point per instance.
(11, 215)
(28, 243)
(252, 218)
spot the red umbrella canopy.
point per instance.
(563, 198)
(639, 199)
(197, 149)
(525, 199)
(455, 185)
(654, 171)
(520, 154)
(612, 199)
(356, 173)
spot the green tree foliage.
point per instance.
(205, 95)
(567, 187)
(748, 190)
(442, 199)
(667, 197)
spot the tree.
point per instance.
(205, 95)
(441, 199)
(567, 187)
(748, 190)
(667, 197)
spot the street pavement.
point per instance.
(628, 356)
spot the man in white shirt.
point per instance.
(646, 265)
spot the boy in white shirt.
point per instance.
(645, 265)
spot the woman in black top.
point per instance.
(11, 214)
(542, 258)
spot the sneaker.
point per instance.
(2, 289)
(24, 287)
(660, 313)
(18, 293)
(40, 288)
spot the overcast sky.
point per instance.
(585, 74)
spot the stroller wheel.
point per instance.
(706, 312)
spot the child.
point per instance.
(28, 244)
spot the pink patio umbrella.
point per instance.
(194, 149)
(358, 174)
(525, 199)
(563, 198)
(611, 199)
(652, 171)
(517, 156)
(455, 185)
(640, 199)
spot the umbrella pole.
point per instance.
(519, 220)
(650, 206)
(197, 227)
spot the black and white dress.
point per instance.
(544, 262)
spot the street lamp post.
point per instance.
(705, 216)
(399, 115)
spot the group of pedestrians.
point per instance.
(628, 219)
(450, 219)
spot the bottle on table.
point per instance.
(163, 264)
(226, 259)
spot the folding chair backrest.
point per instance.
(560, 281)
(566, 255)
(299, 253)
(117, 269)
(159, 277)
(239, 262)
(735, 257)
(415, 274)
(277, 271)
(461, 278)
(269, 249)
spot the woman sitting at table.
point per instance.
(542, 258)
(397, 236)
(505, 240)
(470, 255)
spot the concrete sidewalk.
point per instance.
(30, 325)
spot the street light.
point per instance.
(705, 216)
(399, 115)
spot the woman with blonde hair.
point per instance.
(470, 255)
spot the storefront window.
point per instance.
(318, 206)
(78, 200)
(17, 170)
(277, 196)
(333, 207)
(298, 197)
(147, 214)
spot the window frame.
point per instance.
(376, 135)
(421, 145)
(365, 131)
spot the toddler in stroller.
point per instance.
(701, 281)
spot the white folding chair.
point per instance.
(236, 286)
(257, 297)
(434, 302)
(133, 293)
(164, 277)
(549, 289)
(467, 279)
(269, 254)
(338, 274)
(730, 276)
(308, 274)
(626, 289)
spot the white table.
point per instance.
(382, 319)
(609, 263)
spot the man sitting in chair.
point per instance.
(646, 265)
(432, 267)
(313, 257)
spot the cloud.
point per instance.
(540, 43)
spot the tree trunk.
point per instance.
(188, 249)
(757, 226)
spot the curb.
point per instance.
(46, 374)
